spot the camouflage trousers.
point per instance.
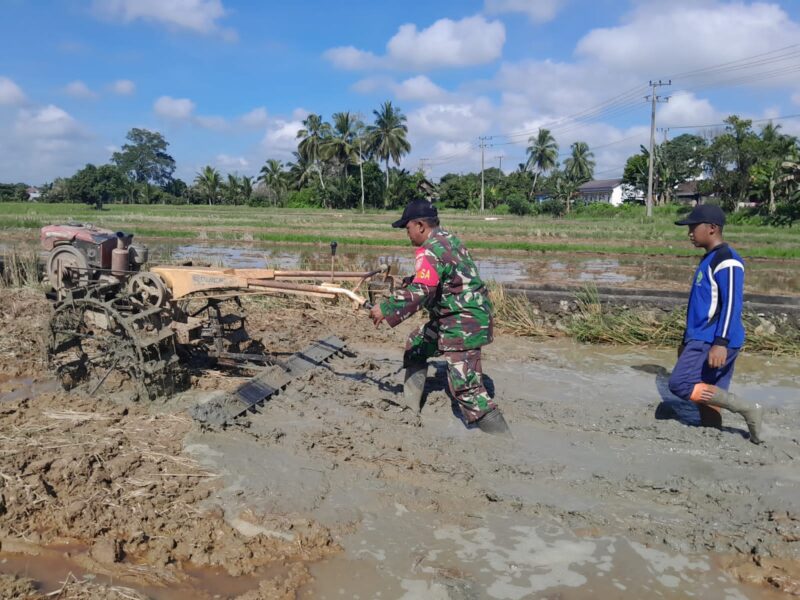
(464, 373)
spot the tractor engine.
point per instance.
(81, 253)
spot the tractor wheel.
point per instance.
(90, 346)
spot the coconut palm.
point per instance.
(273, 177)
(246, 188)
(342, 145)
(231, 189)
(208, 182)
(312, 137)
(580, 165)
(542, 154)
(387, 137)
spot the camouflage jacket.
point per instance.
(447, 284)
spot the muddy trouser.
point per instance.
(692, 368)
(464, 373)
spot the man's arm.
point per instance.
(421, 291)
(729, 277)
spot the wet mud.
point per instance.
(608, 488)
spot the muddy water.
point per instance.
(664, 272)
(597, 496)
(553, 268)
(410, 557)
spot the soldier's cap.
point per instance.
(416, 209)
(704, 213)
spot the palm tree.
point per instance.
(542, 154)
(580, 165)
(387, 137)
(208, 181)
(274, 178)
(246, 188)
(231, 189)
(342, 145)
(565, 188)
(313, 136)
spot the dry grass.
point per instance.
(594, 323)
(20, 268)
(518, 316)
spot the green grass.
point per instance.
(627, 232)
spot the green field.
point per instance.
(625, 233)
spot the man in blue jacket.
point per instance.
(714, 331)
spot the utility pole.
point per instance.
(422, 162)
(361, 170)
(653, 98)
(482, 143)
(499, 158)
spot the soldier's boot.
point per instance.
(414, 385)
(494, 423)
(750, 411)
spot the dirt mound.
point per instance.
(113, 479)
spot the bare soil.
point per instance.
(335, 489)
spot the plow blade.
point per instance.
(259, 389)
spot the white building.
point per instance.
(33, 193)
(608, 191)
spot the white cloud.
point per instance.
(256, 118)
(538, 11)
(796, 98)
(213, 122)
(78, 89)
(446, 43)
(47, 123)
(178, 109)
(231, 164)
(123, 87)
(414, 88)
(282, 135)
(662, 38)
(351, 58)
(10, 92)
(419, 88)
(452, 122)
(42, 143)
(198, 16)
(687, 109)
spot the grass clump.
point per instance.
(20, 268)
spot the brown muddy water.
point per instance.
(664, 272)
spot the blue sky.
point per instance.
(229, 82)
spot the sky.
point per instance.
(229, 82)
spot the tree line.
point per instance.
(345, 163)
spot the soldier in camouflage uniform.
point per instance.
(447, 284)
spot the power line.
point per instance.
(709, 125)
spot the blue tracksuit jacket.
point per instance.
(714, 314)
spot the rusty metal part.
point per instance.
(67, 267)
(112, 345)
(148, 288)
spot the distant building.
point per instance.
(608, 191)
(33, 193)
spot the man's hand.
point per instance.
(376, 315)
(407, 281)
(717, 356)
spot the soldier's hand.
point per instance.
(717, 356)
(376, 315)
(407, 281)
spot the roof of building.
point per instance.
(686, 188)
(600, 185)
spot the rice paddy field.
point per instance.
(626, 233)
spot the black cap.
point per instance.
(704, 213)
(416, 209)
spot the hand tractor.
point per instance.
(117, 325)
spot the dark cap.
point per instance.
(704, 213)
(417, 209)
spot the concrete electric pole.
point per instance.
(653, 98)
(482, 143)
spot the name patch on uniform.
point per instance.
(426, 274)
